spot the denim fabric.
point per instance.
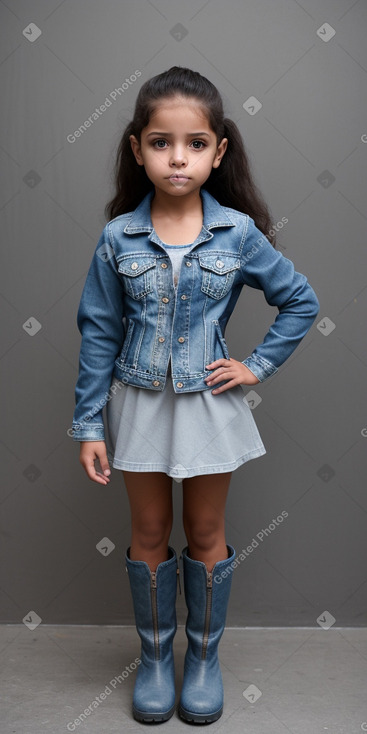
(181, 435)
(132, 319)
(223, 435)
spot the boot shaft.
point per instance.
(207, 595)
(154, 601)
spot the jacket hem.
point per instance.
(137, 378)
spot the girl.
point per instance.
(187, 229)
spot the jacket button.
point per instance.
(134, 266)
(156, 383)
(161, 339)
(163, 265)
(165, 299)
(179, 384)
(181, 339)
(188, 264)
(184, 297)
(219, 263)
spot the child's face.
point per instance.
(178, 139)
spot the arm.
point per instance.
(267, 269)
(99, 321)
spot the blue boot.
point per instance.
(207, 595)
(154, 599)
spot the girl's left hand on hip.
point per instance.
(229, 369)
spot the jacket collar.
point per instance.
(214, 215)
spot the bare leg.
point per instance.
(150, 497)
(204, 500)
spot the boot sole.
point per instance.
(199, 718)
(145, 716)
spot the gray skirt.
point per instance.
(181, 435)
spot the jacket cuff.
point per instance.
(87, 432)
(261, 368)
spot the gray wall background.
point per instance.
(306, 63)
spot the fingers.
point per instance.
(226, 386)
(226, 370)
(90, 451)
(222, 373)
(217, 363)
(212, 381)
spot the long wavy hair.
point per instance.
(232, 183)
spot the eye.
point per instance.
(156, 144)
(161, 140)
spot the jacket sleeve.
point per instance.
(99, 321)
(267, 269)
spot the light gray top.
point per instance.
(176, 253)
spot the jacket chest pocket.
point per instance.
(218, 273)
(137, 272)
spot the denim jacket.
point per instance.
(132, 318)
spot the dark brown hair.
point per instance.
(232, 183)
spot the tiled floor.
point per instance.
(307, 681)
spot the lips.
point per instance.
(178, 180)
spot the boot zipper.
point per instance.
(209, 592)
(178, 577)
(153, 596)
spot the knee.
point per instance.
(152, 531)
(204, 533)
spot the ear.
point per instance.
(222, 147)
(135, 146)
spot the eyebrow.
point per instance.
(189, 135)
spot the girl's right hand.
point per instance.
(89, 452)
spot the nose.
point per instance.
(178, 156)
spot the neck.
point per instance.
(176, 207)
